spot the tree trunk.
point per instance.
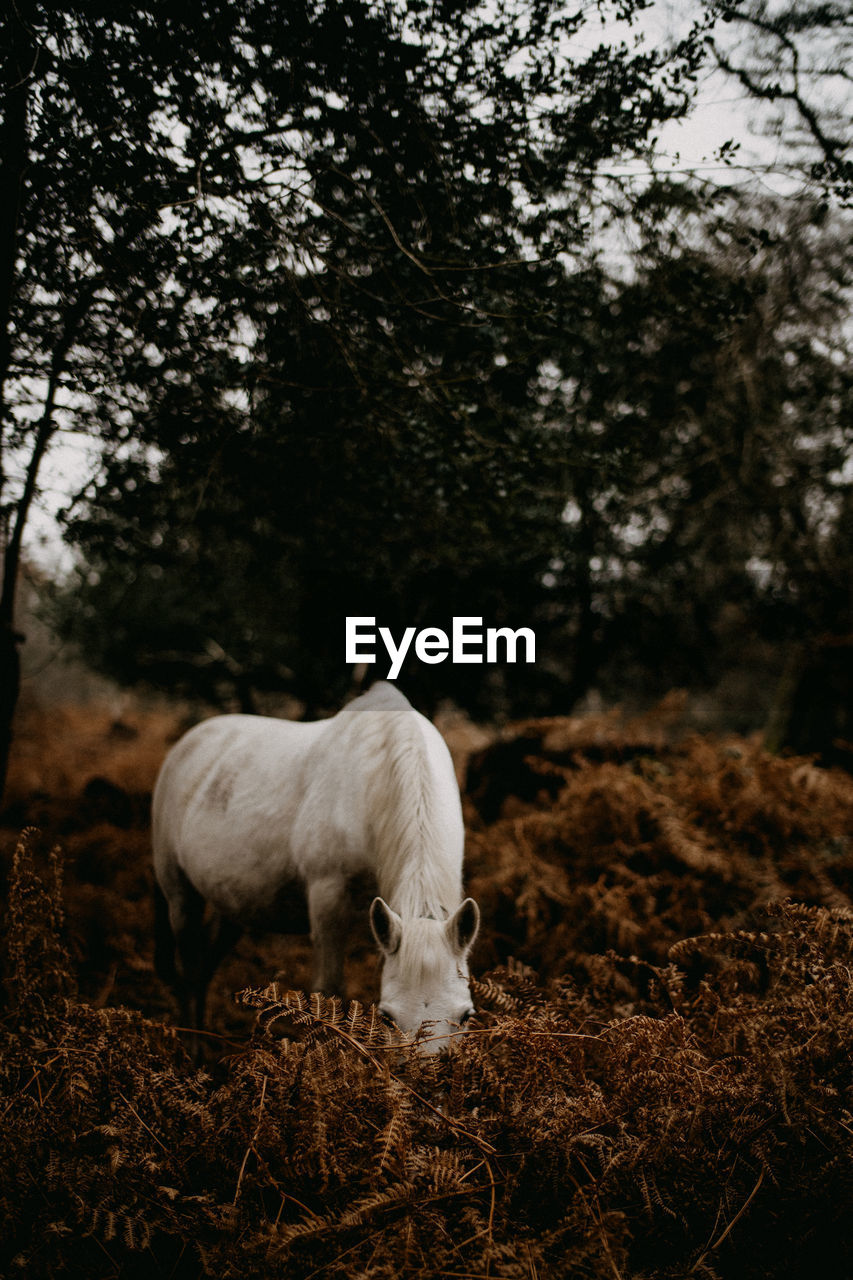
(10, 687)
(10, 666)
(813, 708)
(44, 433)
(13, 154)
(13, 162)
(587, 654)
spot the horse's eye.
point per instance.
(466, 1017)
(386, 1018)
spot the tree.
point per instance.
(385, 190)
(794, 59)
(98, 196)
(719, 376)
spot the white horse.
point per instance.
(252, 815)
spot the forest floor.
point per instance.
(658, 1081)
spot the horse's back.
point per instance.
(225, 801)
(225, 757)
(381, 696)
(244, 804)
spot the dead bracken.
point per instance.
(658, 1081)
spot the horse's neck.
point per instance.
(420, 897)
(415, 876)
(418, 870)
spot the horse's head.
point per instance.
(425, 970)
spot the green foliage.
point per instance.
(301, 271)
(326, 284)
(662, 475)
(716, 384)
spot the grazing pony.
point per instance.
(253, 816)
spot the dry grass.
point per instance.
(59, 749)
(658, 1083)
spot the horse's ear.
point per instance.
(463, 925)
(386, 925)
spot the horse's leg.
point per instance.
(328, 912)
(186, 917)
(164, 940)
(219, 936)
(223, 935)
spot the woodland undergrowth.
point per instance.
(658, 1081)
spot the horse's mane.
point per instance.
(418, 869)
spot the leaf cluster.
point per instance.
(648, 471)
(594, 833)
